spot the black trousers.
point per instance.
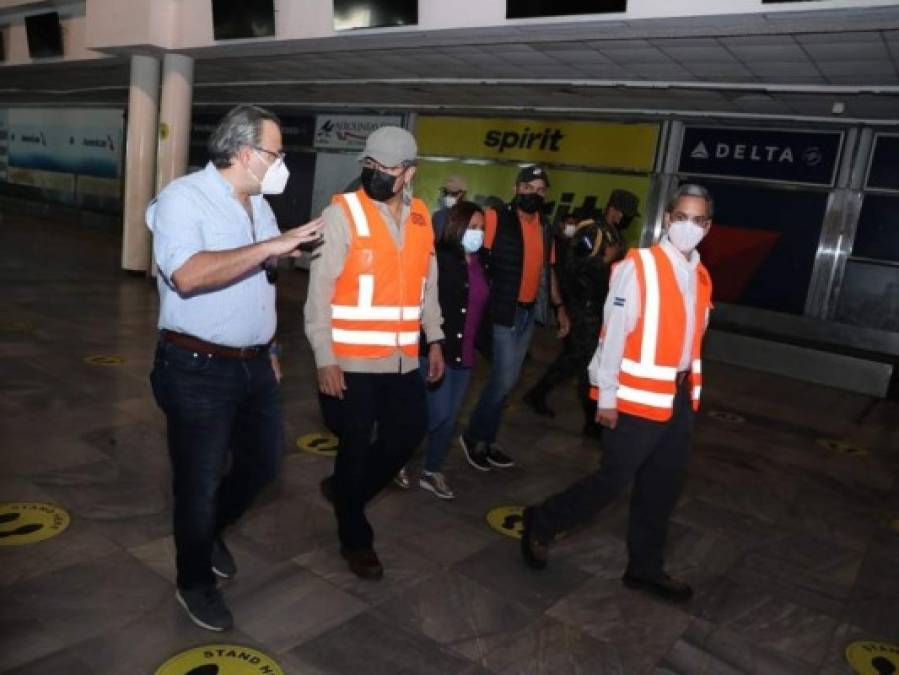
(651, 454)
(573, 359)
(392, 409)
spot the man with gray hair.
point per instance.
(372, 293)
(647, 377)
(216, 370)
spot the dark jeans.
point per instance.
(444, 402)
(510, 346)
(653, 455)
(217, 409)
(394, 406)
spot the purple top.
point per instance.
(478, 292)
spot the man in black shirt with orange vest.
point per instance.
(518, 252)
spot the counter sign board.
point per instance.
(775, 155)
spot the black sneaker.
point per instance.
(665, 587)
(536, 401)
(206, 607)
(475, 453)
(223, 564)
(534, 551)
(496, 457)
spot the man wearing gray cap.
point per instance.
(452, 192)
(372, 292)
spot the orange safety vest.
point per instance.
(647, 380)
(377, 302)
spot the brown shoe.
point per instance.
(363, 562)
(665, 587)
(534, 551)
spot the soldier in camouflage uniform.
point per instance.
(584, 280)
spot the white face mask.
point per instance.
(472, 240)
(275, 178)
(449, 201)
(685, 235)
(569, 230)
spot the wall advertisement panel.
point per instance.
(602, 145)
(349, 132)
(75, 152)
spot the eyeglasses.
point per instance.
(699, 221)
(277, 155)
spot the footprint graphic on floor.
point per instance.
(208, 669)
(883, 666)
(22, 529)
(8, 517)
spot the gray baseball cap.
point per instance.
(390, 146)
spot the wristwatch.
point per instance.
(274, 349)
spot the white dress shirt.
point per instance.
(620, 315)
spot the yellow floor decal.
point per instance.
(507, 520)
(319, 443)
(30, 522)
(841, 446)
(104, 361)
(873, 658)
(220, 659)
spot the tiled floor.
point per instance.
(793, 548)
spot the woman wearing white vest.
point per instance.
(647, 377)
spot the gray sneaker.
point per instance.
(206, 607)
(401, 479)
(223, 564)
(436, 483)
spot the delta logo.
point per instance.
(748, 152)
(545, 140)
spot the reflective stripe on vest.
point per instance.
(367, 311)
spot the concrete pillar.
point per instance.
(140, 161)
(174, 118)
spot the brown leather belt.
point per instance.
(195, 344)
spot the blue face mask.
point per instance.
(472, 240)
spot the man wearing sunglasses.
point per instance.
(215, 374)
(647, 373)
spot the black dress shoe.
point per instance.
(363, 562)
(534, 551)
(664, 587)
(537, 402)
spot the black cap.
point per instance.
(532, 172)
(626, 202)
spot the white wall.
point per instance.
(119, 25)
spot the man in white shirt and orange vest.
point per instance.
(372, 291)
(648, 376)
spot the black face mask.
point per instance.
(529, 203)
(377, 184)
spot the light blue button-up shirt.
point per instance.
(199, 212)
